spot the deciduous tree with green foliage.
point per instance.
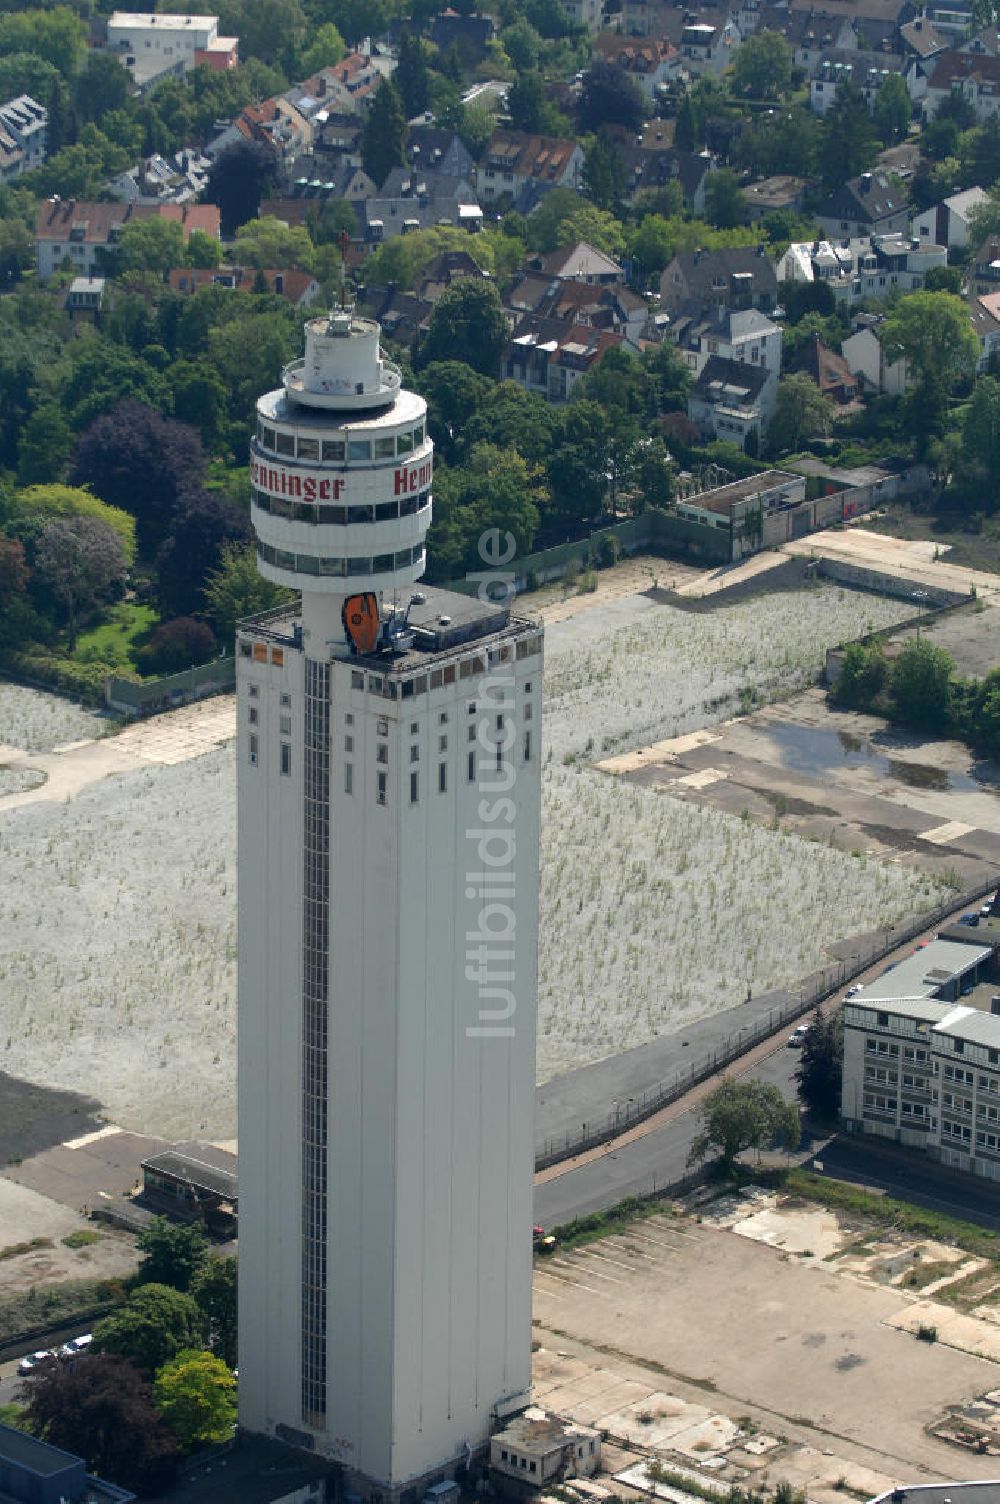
(237, 589)
(195, 1394)
(932, 331)
(801, 413)
(172, 1253)
(892, 109)
(862, 676)
(920, 685)
(725, 204)
(238, 179)
(741, 1115)
(215, 1287)
(762, 66)
(468, 321)
(157, 1323)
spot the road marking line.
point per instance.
(593, 1273)
(591, 1253)
(90, 1138)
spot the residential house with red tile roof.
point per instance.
(300, 288)
(513, 159)
(86, 234)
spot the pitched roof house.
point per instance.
(737, 277)
(87, 233)
(873, 204)
(513, 159)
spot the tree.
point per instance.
(155, 1325)
(920, 685)
(195, 1394)
(326, 50)
(687, 136)
(410, 76)
(526, 101)
(101, 86)
(740, 1115)
(862, 676)
(57, 35)
(155, 245)
(204, 524)
(177, 645)
(382, 138)
(933, 332)
(101, 1408)
(270, 243)
(238, 179)
(725, 206)
(603, 171)
(578, 462)
(237, 589)
(563, 218)
(45, 447)
(609, 96)
(467, 321)
(496, 488)
(762, 67)
(79, 560)
(892, 110)
(53, 500)
(981, 433)
(849, 142)
(141, 462)
(821, 1066)
(454, 393)
(214, 1287)
(801, 413)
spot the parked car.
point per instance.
(971, 919)
(30, 1363)
(853, 991)
(795, 1040)
(76, 1345)
(987, 908)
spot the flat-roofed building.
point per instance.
(922, 1053)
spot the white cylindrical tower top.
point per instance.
(341, 468)
(343, 367)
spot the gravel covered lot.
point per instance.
(35, 721)
(117, 908)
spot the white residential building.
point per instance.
(24, 126)
(150, 43)
(948, 222)
(866, 358)
(389, 785)
(867, 266)
(921, 1066)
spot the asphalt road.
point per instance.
(646, 1164)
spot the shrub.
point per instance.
(607, 550)
(177, 645)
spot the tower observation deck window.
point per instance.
(385, 449)
(308, 449)
(285, 443)
(359, 449)
(333, 449)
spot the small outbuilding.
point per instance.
(535, 1448)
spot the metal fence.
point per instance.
(814, 990)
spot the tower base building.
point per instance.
(389, 774)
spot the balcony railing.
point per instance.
(341, 393)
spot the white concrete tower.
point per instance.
(389, 755)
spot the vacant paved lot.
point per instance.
(747, 1328)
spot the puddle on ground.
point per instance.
(816, 751)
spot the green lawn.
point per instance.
(126, 627)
